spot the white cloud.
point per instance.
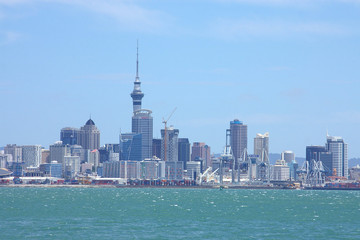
(230, 28)
(127, 14)
(9, 37)
(288, 2)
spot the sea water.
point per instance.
(165, 213)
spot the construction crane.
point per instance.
(165, 133)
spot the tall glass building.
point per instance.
(339, 150)
(131, 147)
(69, 136)
(142, 123)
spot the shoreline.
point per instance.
(220, 187)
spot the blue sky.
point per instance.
(287, 67)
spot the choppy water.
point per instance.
(71, 213)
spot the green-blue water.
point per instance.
(109, 213)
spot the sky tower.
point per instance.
(136, 94)
(142, 121)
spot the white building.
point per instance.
(261, 146)
(71, 166)
(31, 155)
(288, 156)
(193, 169)
(280, 171)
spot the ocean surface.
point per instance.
(162, 213)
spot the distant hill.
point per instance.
(353, 162)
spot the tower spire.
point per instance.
(137, 60)
(136, 94)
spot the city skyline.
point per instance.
(295, 84)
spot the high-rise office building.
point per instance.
(156, 146)
(45, 156)
(183, 150)
(89, 136)
(69, 136)
(170, 143)
(288, 156)
(339, 150)
(261, 146)
(142, 121)
(201, 152)
(130, 147)
(58, 151)
(238, 139)
(15, 151)
(320, 153)
(31, 155)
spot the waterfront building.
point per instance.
(280, 171)
(89, 136)
(58, 151)
(130, 169)
(183, 150)
(70, 136)
(151, 169)
(174, 170)
(111, 169)
(193, 169)
(238, 139)
(288, 156)
(53, 169)
(201, 152)
(339, 150)
(171, 144)
(31, 155)
(261, 146)
(15, 151)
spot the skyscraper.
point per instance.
(130, 147)
(183, 150)
(288, 156)
(142, 121)
(338, 148)
(170, 142)
(201, 152)
(261, 146)
(156, 146)
(238, 139)
(89, 136)
(69, 136)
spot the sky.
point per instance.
(287, 67)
